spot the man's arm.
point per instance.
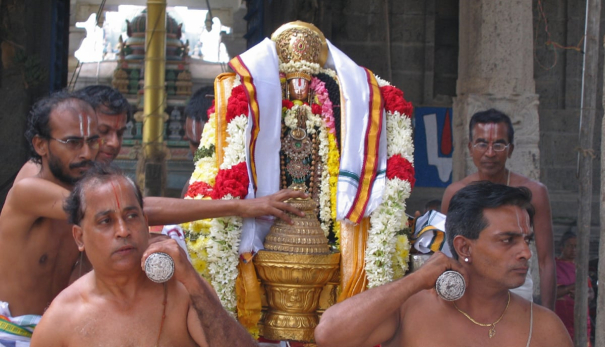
(210, 325)
(373, 317)
(161, 211)
(38, 197)
(544, 245)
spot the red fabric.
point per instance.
(398, 166)
(199, 188)
(564, 307)
(394, 101)
(237, 104)
(232, 181)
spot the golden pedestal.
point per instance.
(294, 268)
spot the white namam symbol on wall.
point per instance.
(443, 164)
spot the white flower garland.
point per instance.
(387, 254)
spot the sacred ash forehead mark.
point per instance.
(85, 121)
(522, 221)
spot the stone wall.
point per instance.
(26, 29)
(559, 84)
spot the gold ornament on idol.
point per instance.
(492, 330)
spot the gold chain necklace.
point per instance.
(492, 330)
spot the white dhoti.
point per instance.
(526, 291)
(16, 331)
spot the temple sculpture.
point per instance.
(298, 113)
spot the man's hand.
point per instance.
(273, 204)
(435, 266)
(183, 270)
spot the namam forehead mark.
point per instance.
(523, 221)
(119, 119)
(489, 131)
(117, 196)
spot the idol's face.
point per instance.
(501, 252)
(490, 148)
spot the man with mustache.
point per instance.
(36, 252)
(488, 230)
(491, 136)
(116, 304)
(37, 255)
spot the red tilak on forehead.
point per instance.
(115, 192)
(118, 121)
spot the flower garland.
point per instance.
(214, 243)
(387, 253)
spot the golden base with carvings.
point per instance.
(293, 284)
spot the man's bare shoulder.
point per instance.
(548, 328)
(29, 169)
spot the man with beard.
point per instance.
(113, 112)
(488, 230)
(36, 247)
(33, 209)
(491, 136)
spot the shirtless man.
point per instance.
(36, 249)
(489, 229)
(116, 304)
(491, 137)
(37, 252)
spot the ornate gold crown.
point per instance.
(300, 41)
(302, 75)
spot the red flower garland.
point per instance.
(232, 181)
(237, 104)
(199, 188)
(394, 101)
(316, 109)
(211, 109)
(287, 104)
(398, 166)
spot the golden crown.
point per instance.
(300, 41)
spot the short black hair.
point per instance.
(39, 118)
(465, 212)
(491, 116)
(75, 205)
(114, 102)
(566, 237)
(198, 105)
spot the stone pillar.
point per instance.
(496, 70)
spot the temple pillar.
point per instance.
(496, 70)
(152, 169)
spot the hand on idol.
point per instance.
(274, 205)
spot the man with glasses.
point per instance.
(36, 259)
(490, 144)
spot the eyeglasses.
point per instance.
(77, 143)
(483, 146)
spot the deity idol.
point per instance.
(298, 113)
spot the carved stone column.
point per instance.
(495, 70)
